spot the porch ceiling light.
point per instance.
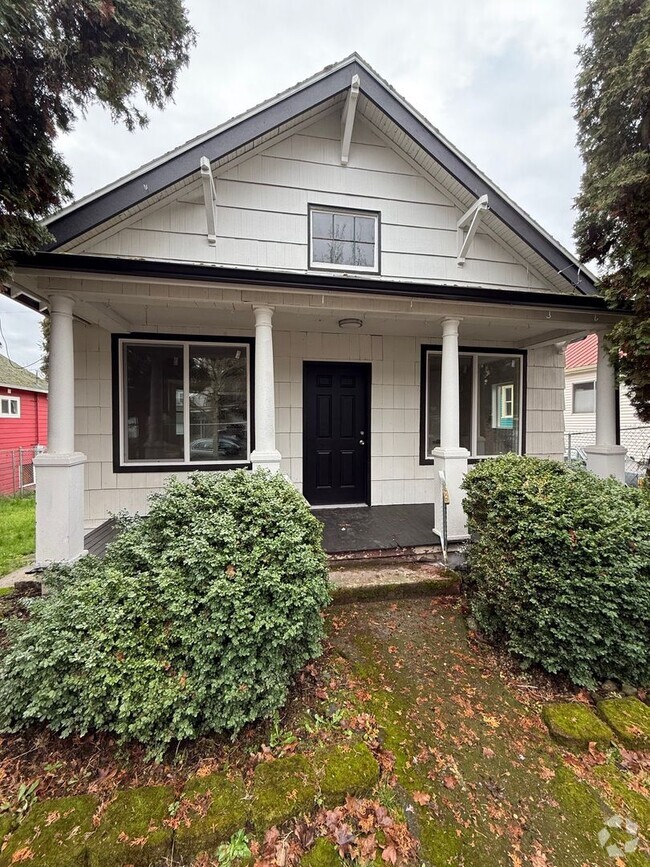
(350, 324)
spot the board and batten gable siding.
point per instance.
(396, 473)
(262, 214)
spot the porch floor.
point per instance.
(374, 528)
(377, 528)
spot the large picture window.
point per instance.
(491, 387)
(183, 402)
(346, 240)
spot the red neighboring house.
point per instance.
(23, 423)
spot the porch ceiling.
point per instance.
(214, 310)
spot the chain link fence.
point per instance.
(635, 439)
(17, 470)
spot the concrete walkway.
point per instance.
(17, 575)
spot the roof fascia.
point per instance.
(152, 270)
(160, 176)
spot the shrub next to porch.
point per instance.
(560, 567)
(195, 621)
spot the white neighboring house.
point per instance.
(323, 286)
(580, 404)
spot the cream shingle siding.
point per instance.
(396, 474)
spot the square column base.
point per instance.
(452, 464)
(606, 461)
(59, 507)
(269, 460)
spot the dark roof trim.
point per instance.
(156, 270)
(177, 167)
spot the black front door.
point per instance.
(336, 438)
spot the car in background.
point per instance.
(229, 446)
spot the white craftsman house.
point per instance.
(323, 286)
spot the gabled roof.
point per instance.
(152, 179)
(14, 376)
(583, 353)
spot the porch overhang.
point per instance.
(94, 267)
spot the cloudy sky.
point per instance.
(495, 76)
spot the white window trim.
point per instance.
(183, 463)
(11, 399)
(475, 399)
(574, 411)
(331, 266)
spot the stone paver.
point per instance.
(212, 809)
(134, 829)
(630, 720)
(54, 834)
(282, 789)
(575, 725)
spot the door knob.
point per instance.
(362, 442)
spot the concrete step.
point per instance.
(372, 580)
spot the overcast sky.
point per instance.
(495, 76)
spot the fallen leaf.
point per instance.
(389, 855)
(421, 798)
(488, 753)
(449, 782)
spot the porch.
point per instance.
(355, 530)
(374, 403)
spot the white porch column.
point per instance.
(60, 470)
(605, 458)
(265, 453)
(450, 461)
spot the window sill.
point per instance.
(180, 468)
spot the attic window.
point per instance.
(344, 240)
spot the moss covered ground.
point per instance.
(488, 785)
(408, 739)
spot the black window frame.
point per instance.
(122, 466)
(354, 212)
(425, 458)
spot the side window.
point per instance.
(584, 397)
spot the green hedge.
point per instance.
(559, 567)
(195, 621)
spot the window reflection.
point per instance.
(218, 403)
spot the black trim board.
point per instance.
(310, 95)
(118, 466)
(155, 270)
(426, 461)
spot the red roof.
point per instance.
(584, 353)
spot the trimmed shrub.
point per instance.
(559, 567)
(195, 621)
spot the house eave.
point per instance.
(83, 265)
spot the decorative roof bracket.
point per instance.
(467, 226)
(210, 199)
(347, 118)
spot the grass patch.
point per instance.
(17, 540)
